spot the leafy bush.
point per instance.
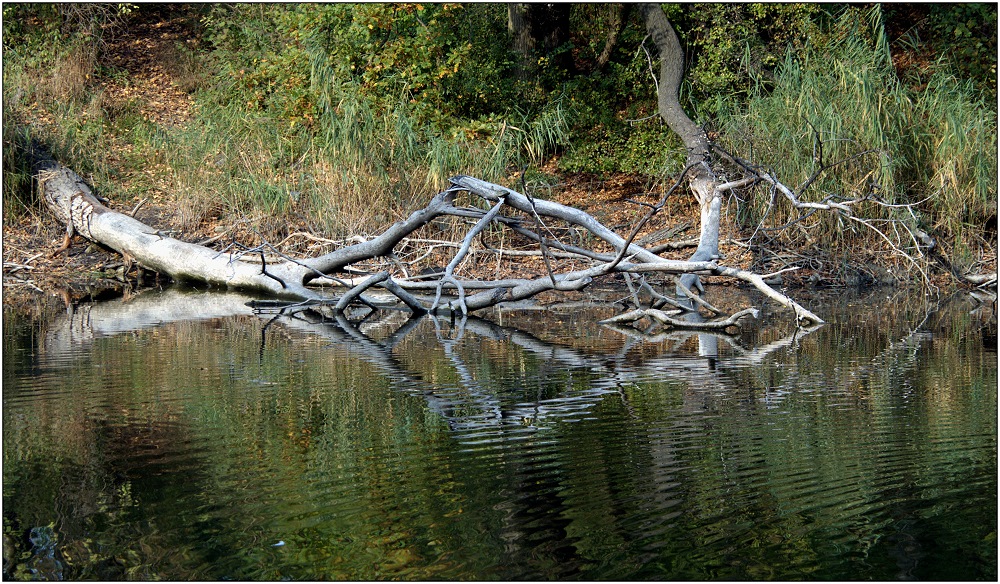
(967, 35)
(731, 47)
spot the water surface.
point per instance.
(179, 436)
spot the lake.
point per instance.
(177, 435)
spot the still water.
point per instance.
(177, 435)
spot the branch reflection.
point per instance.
(473, 402)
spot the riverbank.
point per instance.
(131, 116)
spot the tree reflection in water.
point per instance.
(179, 435)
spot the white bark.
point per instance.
(71, 201)
(702, 179)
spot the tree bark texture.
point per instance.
(702, 179)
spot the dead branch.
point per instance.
(667, 318)
(264, 269)
(356, 291)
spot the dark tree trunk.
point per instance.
(622, 12)
(538, 30)
(520, 37)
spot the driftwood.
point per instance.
(306, 282)
(72, 201)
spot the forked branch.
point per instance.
(285, 277)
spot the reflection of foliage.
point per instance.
(200, 468)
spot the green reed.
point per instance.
(932, 147)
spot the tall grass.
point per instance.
(357, 168)
(18, 196)
(60, 83)
(935, 147)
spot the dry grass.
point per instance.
(72, 75)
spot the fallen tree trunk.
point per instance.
(73, 203)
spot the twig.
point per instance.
(137, 207)
(667, 318)
(649, 59)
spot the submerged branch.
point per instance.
(667, 318)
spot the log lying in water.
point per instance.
(70, 199)
(73, 203)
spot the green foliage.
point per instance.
(383, 53)
(959, 39)
(30, 32)
(966, 35)
(38, 33)
(730, 47)
(645, 147)
(927, 148)
(615, 123)
(376, 104)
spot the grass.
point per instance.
(934, 149)
(19, 199)
(358, 169)
(359, 164)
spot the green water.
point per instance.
(174, 437)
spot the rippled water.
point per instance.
(179, 436)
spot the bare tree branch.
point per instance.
(283, 276)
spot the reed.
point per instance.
(934, 148)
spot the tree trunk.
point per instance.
(69, 198)
(621, 15)
(71, 201)
(537, 30)
(521, 40)
(702, 179)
